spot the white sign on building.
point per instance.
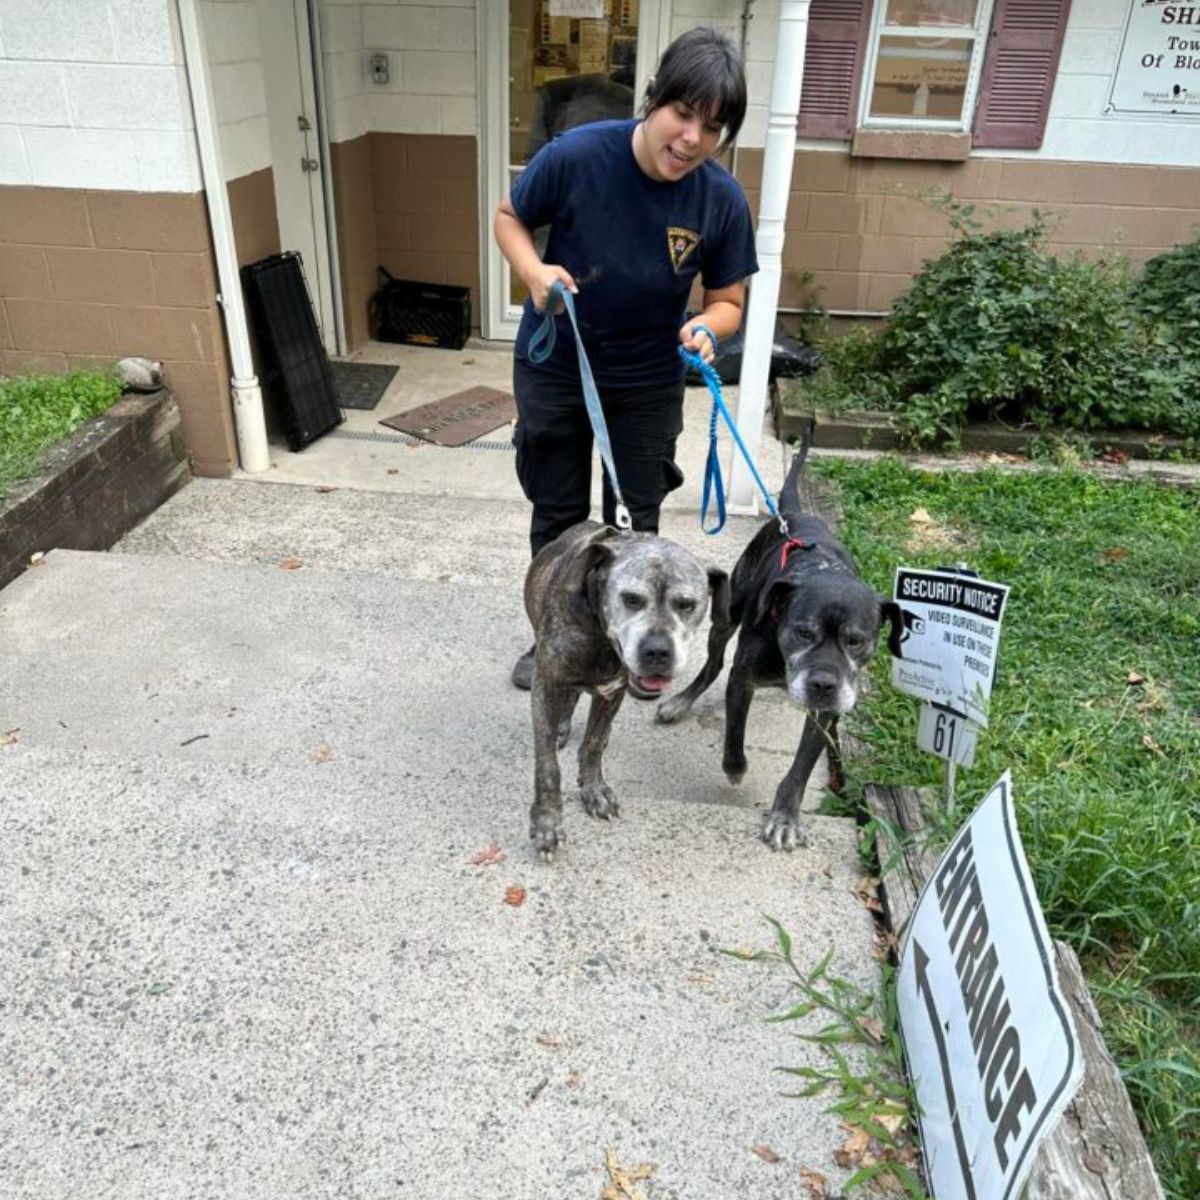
(950, 639)
(1158, 71)
(988, 1035)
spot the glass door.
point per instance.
(569, 62)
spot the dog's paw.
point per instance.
(547, 834)
(782, 832)
(734, 768)
(598, 801)
(672, 709)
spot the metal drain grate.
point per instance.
(362, 435)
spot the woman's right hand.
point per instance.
(543, 279)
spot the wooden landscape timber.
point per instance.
(97, 484)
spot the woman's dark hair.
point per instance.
(701, 68)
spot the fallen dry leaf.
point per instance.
(323, 753)
(292, 563)
(699, 979)
(920, 516)
(816, 1183)
(37, 558)
(872, 1027)
(1133, 679)
(485, 858)
(1115, 456)
(9, 738)
(623, 1183)
(573, 1080)
(549, 1040)
(867, 886)
(325, 488)
(766, 1153)
(855, 1150)
(393, 470)
(1115, 554)
(514, 895)
(1152, 746)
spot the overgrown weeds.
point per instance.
(38, 410)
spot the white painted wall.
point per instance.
(433, 84)
(235, 64)
(93, 94)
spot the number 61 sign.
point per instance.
(947, 734)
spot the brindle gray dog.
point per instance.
(808, 624)
(611, 613)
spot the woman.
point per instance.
(637, 210)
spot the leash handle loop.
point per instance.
(541, 344)
(713, 482)
(700, 327)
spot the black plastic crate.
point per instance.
(296, 375)
(421, 314)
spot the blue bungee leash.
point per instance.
(714, 485)
(541, 345)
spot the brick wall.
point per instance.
(87, 277)
(860, 225)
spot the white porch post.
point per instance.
(779, 152)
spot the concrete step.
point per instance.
(448, 539)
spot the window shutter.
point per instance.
(833, 60)
(1021, 62)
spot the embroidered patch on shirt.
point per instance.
(681, 243)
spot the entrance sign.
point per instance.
(951, 633)
(1158, 70)
(593, 9)
(990, 1044)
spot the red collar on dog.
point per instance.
(789, 547)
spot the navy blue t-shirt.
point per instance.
(633, 245)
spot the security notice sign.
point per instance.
(950, 638)
(990, 1045)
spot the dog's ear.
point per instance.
(772, 599)
(720, 591)
(889, 611)
(584, 581)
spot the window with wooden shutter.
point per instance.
(833, 60)
(1023, 51)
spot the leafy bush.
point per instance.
(38, 410)
(997, 328)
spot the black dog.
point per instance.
(808, 623)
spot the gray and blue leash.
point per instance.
(541, 346)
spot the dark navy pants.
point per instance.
(553, 439)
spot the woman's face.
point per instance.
(675, 140)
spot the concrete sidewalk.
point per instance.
(246, 952)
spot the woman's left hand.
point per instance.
(697, 340)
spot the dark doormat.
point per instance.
(360, 385)
(457, 419)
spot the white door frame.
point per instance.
(499, 319)
(300, 156)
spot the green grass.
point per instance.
(38, 410)
(1097, 712)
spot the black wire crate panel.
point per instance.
(296, 374)
(421, 314)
